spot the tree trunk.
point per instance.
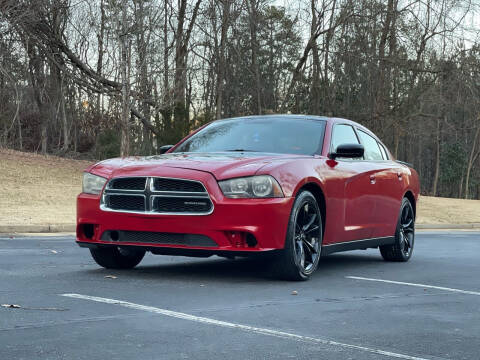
(221, 58)
(125, 114)
(145, 92)
(181, 116)
(252, 6)
(315, 88)
(437, 161)
(471, 160)
(100, 39)
(379, 99)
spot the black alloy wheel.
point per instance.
(402, 249)
(300, 257)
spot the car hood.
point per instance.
(220, 165)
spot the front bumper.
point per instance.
(265, 219)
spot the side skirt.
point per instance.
(357, 245)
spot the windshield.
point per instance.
(269, 134)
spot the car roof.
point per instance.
(333, 120)
(287, 116)
(301, 116)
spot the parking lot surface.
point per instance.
(356, 306)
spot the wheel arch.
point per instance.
(409, 195)
(319, 195)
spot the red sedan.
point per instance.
(293, 187)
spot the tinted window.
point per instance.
(269, 134)
(343, 134)
(372, 151)
(384, 152)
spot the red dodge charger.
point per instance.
(293, 187)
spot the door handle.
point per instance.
(372, 179)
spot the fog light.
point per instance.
(236, 238)
(114, 235)
(240, 239)
(86, 231)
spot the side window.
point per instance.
(372, 149)
(343, 134)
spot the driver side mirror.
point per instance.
(163, 149)
(348, 151)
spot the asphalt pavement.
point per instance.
(356, 306)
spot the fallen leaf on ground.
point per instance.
(11, 306)
(110, 277)
(294, 292)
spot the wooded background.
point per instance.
(100, 78)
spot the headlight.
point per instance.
(92, 184)
(262, 186)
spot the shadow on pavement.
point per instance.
(243, 269)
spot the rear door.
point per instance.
(387, 175)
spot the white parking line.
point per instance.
(416, 285)
(263, 331)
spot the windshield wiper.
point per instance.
(241, 150)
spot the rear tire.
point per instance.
(299, 259)
(117, 258)
(402, 249)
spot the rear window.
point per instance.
(372, 150)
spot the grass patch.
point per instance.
(37, 190)
(438, 210)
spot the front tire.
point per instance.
(301, 254)
(402, 249)
(117, 258)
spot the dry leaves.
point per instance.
(11, 306)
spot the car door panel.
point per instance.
(391, 188)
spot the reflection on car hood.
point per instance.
(222, 165)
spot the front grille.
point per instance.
(177, 185)
(156, 195)
(181, 205)
(158, 238)
(126, 202)
(128, 183)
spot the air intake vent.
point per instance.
(158, 238)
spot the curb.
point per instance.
(53, 228)
(63, 228)
(447, 226)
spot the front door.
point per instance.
(359, 189)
